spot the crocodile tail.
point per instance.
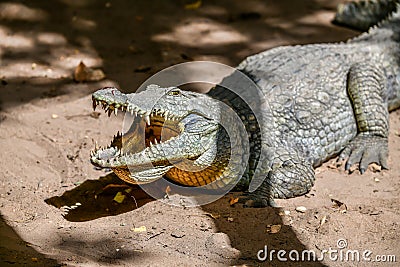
(364, 14)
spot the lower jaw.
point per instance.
(124, 175)
(134, 176)
(207, 176)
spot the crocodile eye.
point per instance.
(174, 92)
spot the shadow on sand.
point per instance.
(16, 252)
(247, 232)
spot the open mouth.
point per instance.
(149, 131)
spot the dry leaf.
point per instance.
(194, 5)
(128, 190)
(336, 203)
(119, 197)
(233, 201)
(339, 205)
(274, 228)
(83, 73)
(80, 73)
(230, 219)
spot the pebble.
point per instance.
(301, 209)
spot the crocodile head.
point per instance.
(170, 127)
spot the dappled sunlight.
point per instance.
(69, 58)
(18, 11)
(213, 10)
(321, 16)
(302, 29)
(28, 53)
(51, 38)
(29, 69)
(46, 54)
(12, 40)
(40, 40)
(201, 32)
(83, 23)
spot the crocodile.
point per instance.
(319, 101)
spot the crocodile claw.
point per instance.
(366, 149)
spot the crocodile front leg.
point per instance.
(289, 176)
(367, 88)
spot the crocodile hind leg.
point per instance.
(366, 87)
(289, 176)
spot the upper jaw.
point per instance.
(112, 100)
(134, 141)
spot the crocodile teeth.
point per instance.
(153, 149)
(147, 118)
(116, 111)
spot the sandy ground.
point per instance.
(47, 128)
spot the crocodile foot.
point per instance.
(366, 149)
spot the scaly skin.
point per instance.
(363, 14)
(326, 100)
